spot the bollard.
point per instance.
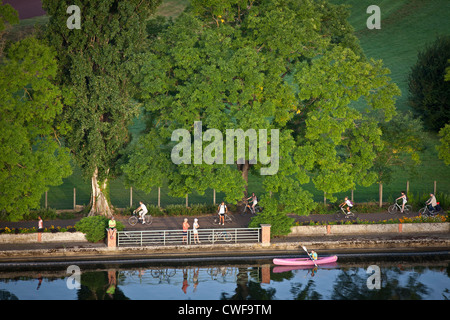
(111, 235)
(265, 234)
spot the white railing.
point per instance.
(177, 237)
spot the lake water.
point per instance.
(344, 280)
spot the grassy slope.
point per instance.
(406, 27)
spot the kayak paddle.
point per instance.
(309, 256)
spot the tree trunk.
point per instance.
(99, 200)
(244, 171)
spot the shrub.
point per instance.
(95, 227)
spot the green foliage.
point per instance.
(179, 209)
(447, 71)
(287, 65)
(429, 93)
(99, 64)
(280, 223)
(444, 146)
(31, 157)
(7, 16)
(95, 227)
(403, 139)
(44, 213)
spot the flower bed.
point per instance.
(52, 229)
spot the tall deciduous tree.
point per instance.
(292, 66)
(31, 156)
(429, 95)
(98, 64)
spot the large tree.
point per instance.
(429, 95)
(291, 66)
(98, 64)
(31, 155)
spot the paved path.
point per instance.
(205, 221)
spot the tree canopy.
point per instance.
(291, 66)
(429, 94)
(31, 155)
(99, 63)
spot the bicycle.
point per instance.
(135, 218)
(249, 208)
(217, 236)
(396, 207)
(342, 213)
(425, 211)
(226, 218)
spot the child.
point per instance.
(405, 200)
(185, 230)
(195, 230)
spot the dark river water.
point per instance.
(398, 278)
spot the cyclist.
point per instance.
(142, 209)
(404, 199)
(254, 201)
(222, 210)
(347, 203)
(431, 203)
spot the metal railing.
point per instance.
(177, 237)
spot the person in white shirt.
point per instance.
(222, 210)
(347, 203)
(404, 200)
(142, 209)
(431, 203)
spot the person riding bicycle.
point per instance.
(404, 199)
(142, 209)
(222, 210)
(347, 203)
(254, 202)
(431, 203)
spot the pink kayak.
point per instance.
(304, 261)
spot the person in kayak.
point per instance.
(313, 255)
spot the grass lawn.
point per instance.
(407, 26)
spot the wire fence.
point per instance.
(70, 196)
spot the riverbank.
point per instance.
(68, 247)
(54, 253)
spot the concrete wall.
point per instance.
(369, 229)
(46, 237)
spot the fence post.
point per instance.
(159, 197)
(46, 199)
(187, 201)
(407, 186)
(111, 236)
(380, 192)
(214, 196)
(265, 235)
(434, 187)
(131, 197)
(74, 198)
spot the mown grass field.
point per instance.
(407, 26)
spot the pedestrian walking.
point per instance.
(40, 228)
